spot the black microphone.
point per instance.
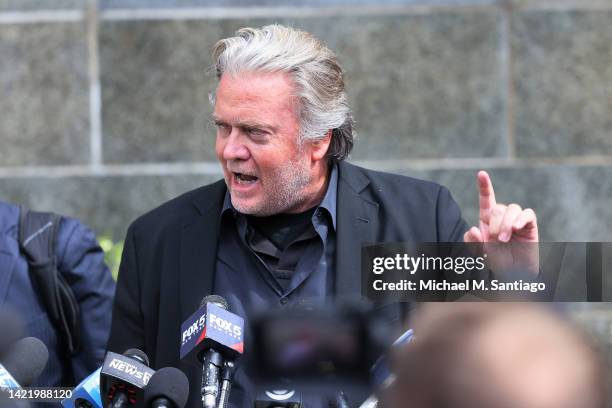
(211, 366)
(87, 393)
(214, 335)
(24, 363)
(167, 388)
(124, 377)
(212, 360)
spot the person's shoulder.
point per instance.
(180, 209)
(391, 183)
(9, 217)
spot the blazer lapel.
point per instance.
(358, 220)
(199, 239)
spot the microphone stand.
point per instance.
(210, 378)
(227, 374)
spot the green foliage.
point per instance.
(112, 253)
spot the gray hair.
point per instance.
(315, 71)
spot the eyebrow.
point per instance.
(244, 124)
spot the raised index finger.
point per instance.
(486, 196)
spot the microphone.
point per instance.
(282, 398)
(123, 378)
(24, 363)
(86, 394)
(213, 335)
(167, 388)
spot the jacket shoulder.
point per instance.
(388, 183)
(9, 218)
(181, 209)
(408, 208)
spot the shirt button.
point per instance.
(283, 300)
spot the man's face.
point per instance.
(266, 168)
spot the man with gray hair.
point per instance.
(286, 224)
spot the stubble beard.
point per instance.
(284, 190)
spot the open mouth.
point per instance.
(242, 178)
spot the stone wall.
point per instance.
(105, 103)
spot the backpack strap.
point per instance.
(37, 241)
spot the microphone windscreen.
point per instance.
(168, 382)
(138, 355)
(12, 330)
(217, 300)
(26, 360)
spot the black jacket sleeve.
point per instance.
(451, 226)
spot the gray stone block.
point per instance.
(561, 73)
(30, 5)
(155, 89)
(45, 94)
(107, 204)
(556, 4)
(420, 86)
(122, 4)
(572, 203)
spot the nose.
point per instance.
(234, 148)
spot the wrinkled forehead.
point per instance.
(255, 93)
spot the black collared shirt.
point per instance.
(281, 241)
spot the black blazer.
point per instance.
(169, 257)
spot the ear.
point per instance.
(320, 147)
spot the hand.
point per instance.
(500, 222)
(504, 224)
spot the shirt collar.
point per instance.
(228, 208)
(328, 202)
(330, 198)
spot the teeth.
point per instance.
(244, 178)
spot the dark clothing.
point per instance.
(293, 270)
(309, 246)
(170, 257)
(80, 260)
(281, 230)
(279, 241)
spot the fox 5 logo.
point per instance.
(227, 327)
(193, 329)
